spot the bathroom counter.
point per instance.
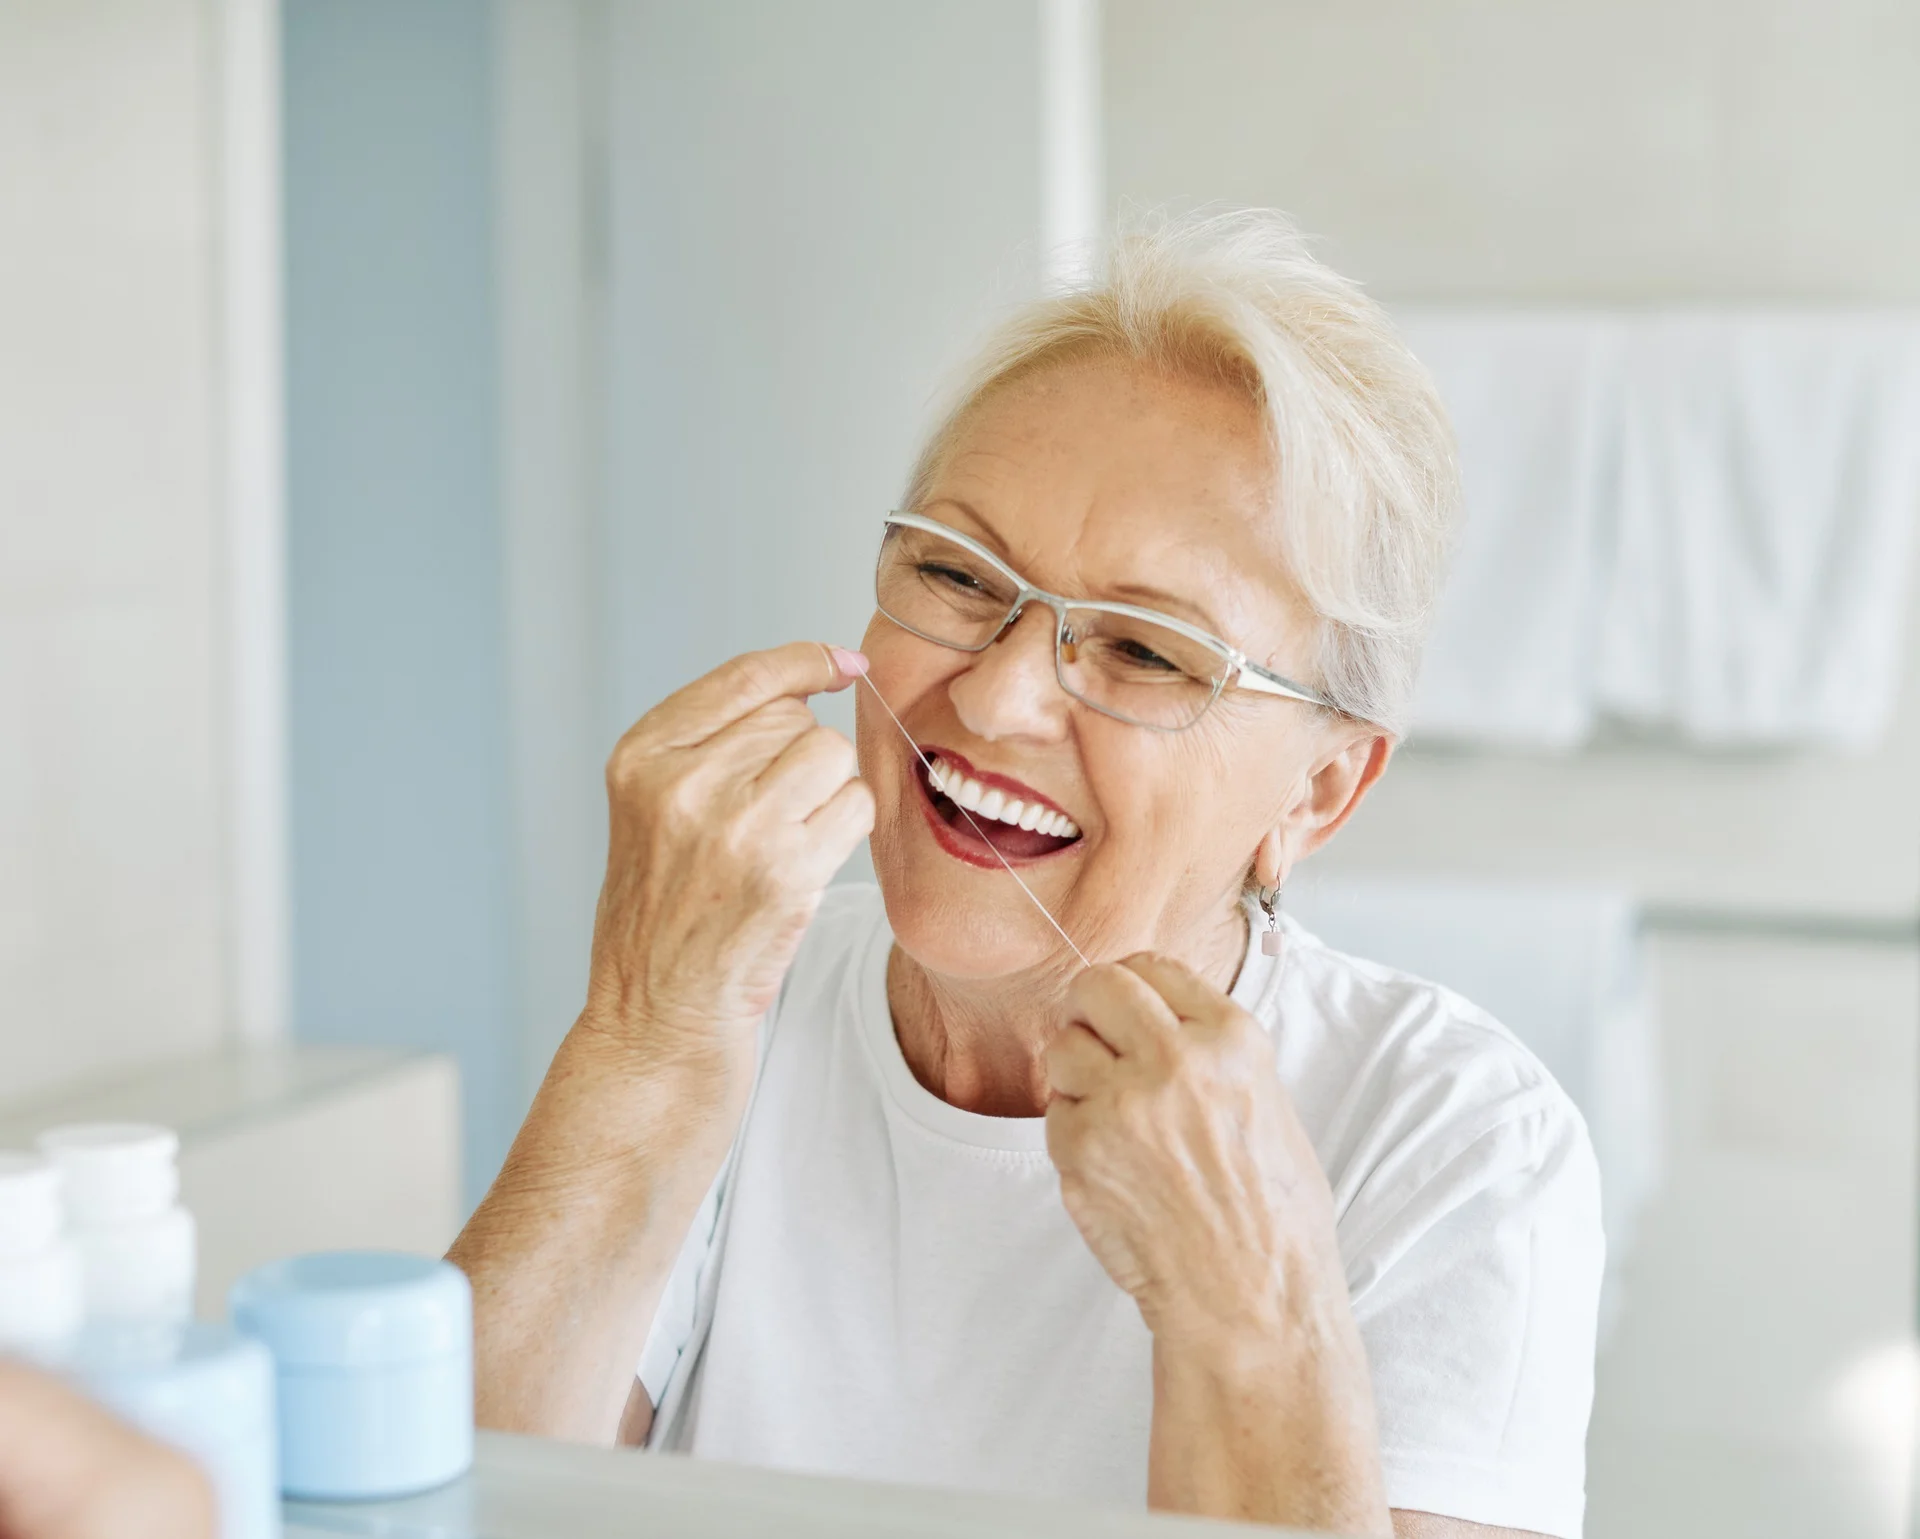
(528, 1488)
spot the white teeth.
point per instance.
(996, 804)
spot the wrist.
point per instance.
(697, 1059)
(618, 1124)
(1268, 1426)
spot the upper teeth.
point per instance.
(996, 804)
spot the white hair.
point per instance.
(1365, 480)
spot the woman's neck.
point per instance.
(980, 1044)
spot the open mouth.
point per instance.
(997, 817)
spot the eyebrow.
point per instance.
(1133, 593)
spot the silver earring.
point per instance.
(1270, 937)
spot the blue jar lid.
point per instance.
(355, 1308)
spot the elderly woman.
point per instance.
(893, 1183)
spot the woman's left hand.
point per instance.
(1182, 1161)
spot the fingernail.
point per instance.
(850, 664)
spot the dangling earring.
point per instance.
(1270, 937)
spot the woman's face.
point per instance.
(1102, 480)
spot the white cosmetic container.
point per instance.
(204, 1389)
(40, 1287)
(120, 1183)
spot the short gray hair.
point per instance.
(1366, 479)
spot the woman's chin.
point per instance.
(972, 940)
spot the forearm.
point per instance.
(570, 1252)
(1276, 1431)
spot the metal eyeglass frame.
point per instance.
(1242, 672)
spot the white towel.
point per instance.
(1769, 476)
(1531, 397)
(1700, 522)
(1561, 968)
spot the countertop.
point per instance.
(528, 1488)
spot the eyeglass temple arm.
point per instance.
(1250, 675)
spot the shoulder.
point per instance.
(1423, 1107)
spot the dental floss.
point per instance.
(976, 827)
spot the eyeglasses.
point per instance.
(1133, 664)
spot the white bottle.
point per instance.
(119, 1183)
(40, 1289)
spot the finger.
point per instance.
(807, 772)
(798, 669)
(1122, 1009)
(1078, 1062)
(1186, 993)
(1066, 1131)
(743, 749)
(834, 830)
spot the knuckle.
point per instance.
(625, 763)
(787, 713)
(682, 799)
(863, 808)
(741, 841)
(834, 748)
(753, 673)
(1064, 1135)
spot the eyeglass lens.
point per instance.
(1131, 668)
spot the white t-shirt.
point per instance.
(883, 1285)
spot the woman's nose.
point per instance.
(1012, 690)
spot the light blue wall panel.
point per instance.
(401, 839)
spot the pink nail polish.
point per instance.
(850, 664)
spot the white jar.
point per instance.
(40, 1288)
(120, 1182)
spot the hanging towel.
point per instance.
(1768, 482)
(1561, 968)
(1532, 398)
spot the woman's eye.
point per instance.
(1140, 656)
(953, 576)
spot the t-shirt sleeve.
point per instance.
(675, 1320)
(1477, 1293)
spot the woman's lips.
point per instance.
(975, 838)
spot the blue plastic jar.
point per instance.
(373, 1352)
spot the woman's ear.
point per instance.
(1333, 789)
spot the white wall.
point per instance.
(1642, 153)
(111, 728)
(796, 218)
(1633, 151)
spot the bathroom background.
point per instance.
(397, 397)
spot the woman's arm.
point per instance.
(571, 1250)
(1183, 1165)
(1430, 1525)
(730, 809)
(1277, 1431)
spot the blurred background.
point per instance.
(397, 397)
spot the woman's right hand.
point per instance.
(730, 808)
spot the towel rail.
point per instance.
(1781, 924)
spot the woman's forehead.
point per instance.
(1110, 481)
